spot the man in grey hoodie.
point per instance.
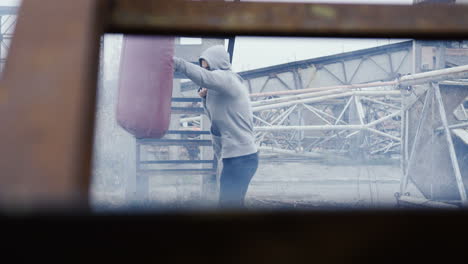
(227, 104)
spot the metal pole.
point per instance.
(424, 203)
(360, 111)
(379, 102)
(323, 113)
(311, 128)
(464, 111)
(344, 110)
(317, 114)
(142, 179)
(375, 131)
(330, 138)
(323, 95)
(406, 138)
(403, 139)
(278, 120)
(386, 148)
(322, 98)
(378, 121)
(297, 97)
(261, 120)
(328, 88)
(232, 41)
(281, 118)
(461, 125)
(418, 78)
(435, 76)
(453, 155)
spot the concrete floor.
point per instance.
(283, 184)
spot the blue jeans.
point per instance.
(235, 178)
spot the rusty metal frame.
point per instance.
(47, 111)
(47, 118)
(287, 19)
(31, 144)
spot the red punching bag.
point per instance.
(145, 85)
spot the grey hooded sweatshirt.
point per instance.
(227, 103)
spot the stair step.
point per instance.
(161, 172)
(187, 132)
(176, 161)
(174, 142)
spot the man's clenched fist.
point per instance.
(202, 92)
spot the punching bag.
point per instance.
(145, 85)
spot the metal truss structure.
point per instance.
(356, 119)
(8, 17)
(344, 104)
(368, 65)
(339, 121)
(317, 119)
(347, 119)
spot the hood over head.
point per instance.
(216, 57)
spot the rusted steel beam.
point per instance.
(47, 114)
(288, 19)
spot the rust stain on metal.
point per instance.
(3, 95)
(323, 11)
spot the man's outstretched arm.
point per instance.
(214, 80)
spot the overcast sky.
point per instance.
(9, 2)
(252, 52)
